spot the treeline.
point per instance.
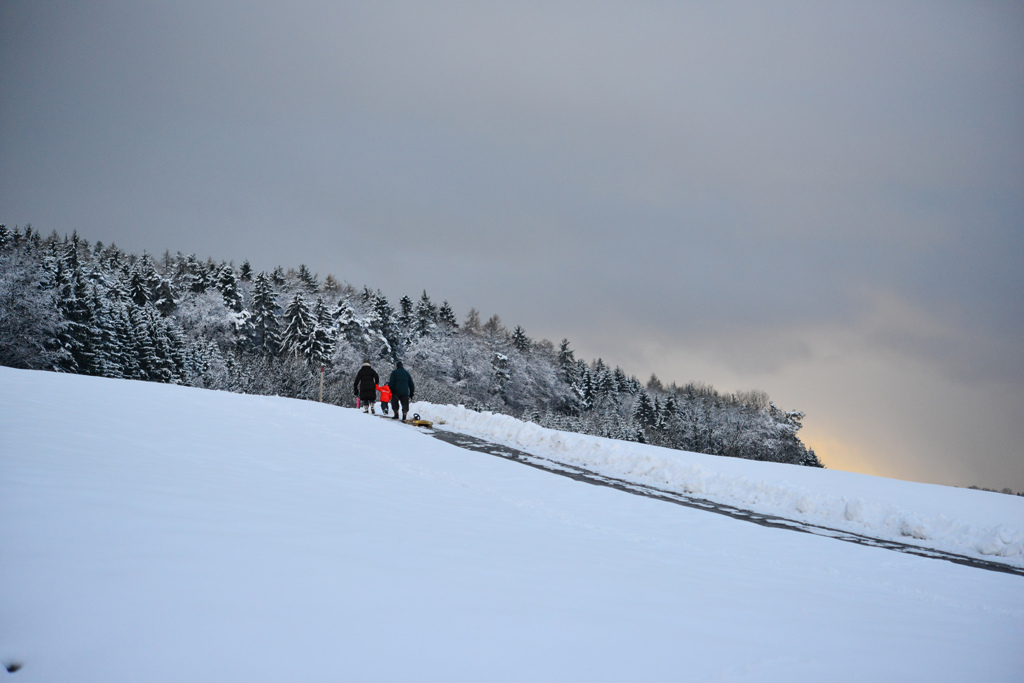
(72, 306)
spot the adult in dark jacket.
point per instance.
(402, 389)
(365, 387)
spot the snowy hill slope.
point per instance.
(157, 533)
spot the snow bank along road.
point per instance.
(160, 533)
(581, 474)
(978, 528)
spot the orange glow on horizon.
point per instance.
(840, 455)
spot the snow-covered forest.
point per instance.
(73, 306)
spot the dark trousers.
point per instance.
(404, 400)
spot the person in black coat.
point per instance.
(365, 386)
(402, 389)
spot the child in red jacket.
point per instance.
(385, 398)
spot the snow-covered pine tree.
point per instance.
(605, 387)
(669, 409)
(298, 326)
(520, 340)
(164, 367)
(278, 277)
(383, 323)
(308, 279)
(406, 319)
(566, 357)
(147, 267)
(166, 299)
(654, 384)
(198, 275)
(426, 316)
(344, 320)
(331, 285)
(320, 348)
(446, 318)
(76, 340)
(137, 290)
(227, 283)
(107, 362)
(321, 340)
(321, 314)
(644, 412)
(500, 374)
(142, 346)
(266, 336)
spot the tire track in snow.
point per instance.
(772, 521)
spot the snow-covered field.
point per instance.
(158, 533)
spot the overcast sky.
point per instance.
(821, 200)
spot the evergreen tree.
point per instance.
(446, 318)
(125, 344)
(137, 288)
(227, 283)
(142, 346)
(500, 374)
(108, 361)
(245, 272)
(520, 340)
(163, 367)
(669, 409)
(244, 330)
(277, 277)
(308, 279)
(321, 315)
(383, 322)
(198, 277)
(659, 416)
(320, 347)
(266, 336)
(357, 332)
(426, 316)
(166, 299)
(605, 382)
(621, 381)
(76, 338)
(344, 319)
(644, 412)
(584, 385)
(566, 361)
(147, 268)
(331, 285)
(406, 318)
(298, 326)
